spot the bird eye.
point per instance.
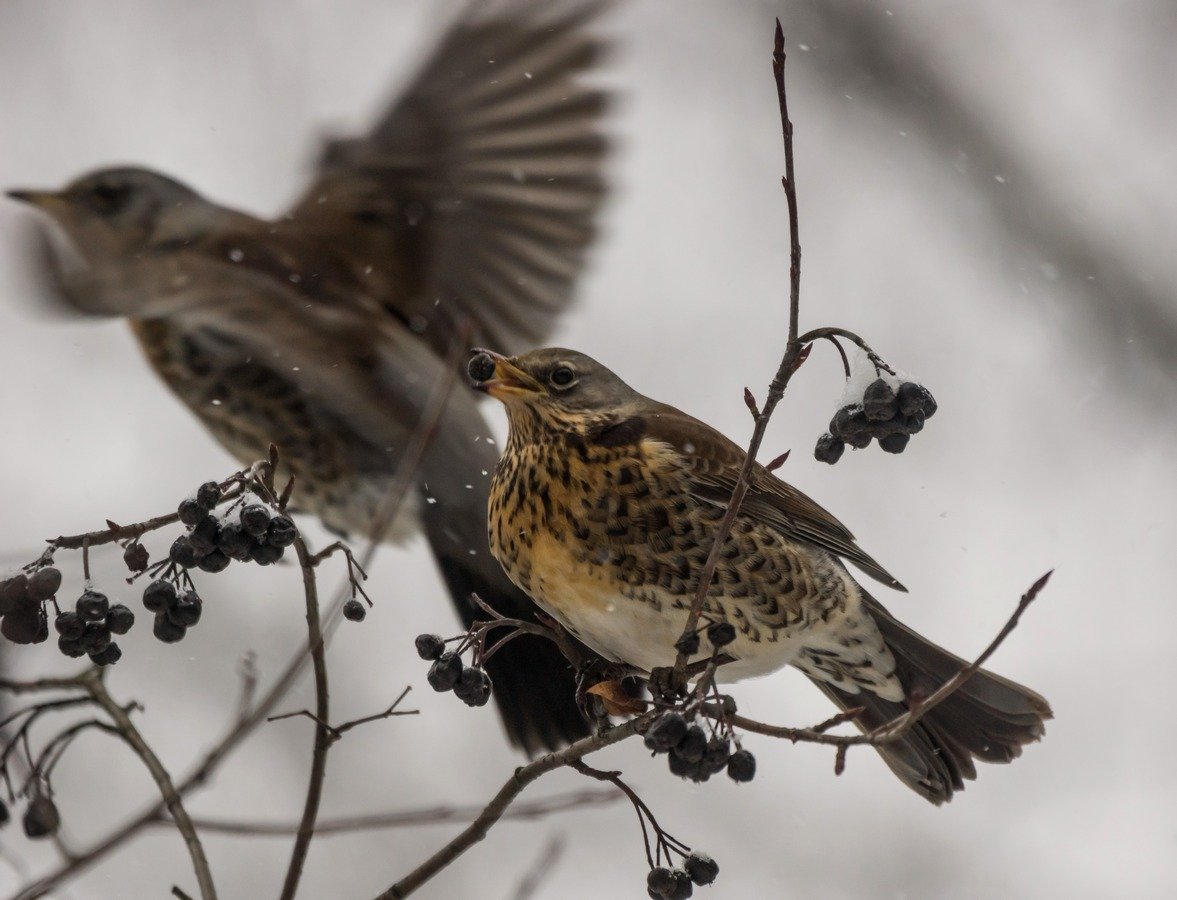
(107, 199)
(562, 376)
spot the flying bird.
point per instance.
(467, 209)
(602, 510)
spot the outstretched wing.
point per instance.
(715, 465)
(475, 196)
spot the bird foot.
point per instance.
(667, 686)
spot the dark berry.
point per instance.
(721, 633)
(429, 646)
(688, 643)
(41, 818)
(191, 512)
(660, 880)
(879, 402)
(203, 536)
(136, 557)
(166, 630)
(14, 592)
(701, 867)
(473, 687)
(715, 759)
(894, 443)
(741, 766)
(683, 886)
(25, 626)
(71, 647)
(214, 561)
(683, 768)
(281, 531)
(481, 367)
(693, 745)
(120, 619)
(234, 542)
(182, 552)
(913, 424)
(859, 440)
(728, 704)
(92, 606)
(44, 583)
(208, 495)
(265, 554)
(107, 657)
(829, 449)
(848, 422)
(445, 671)
(354, 611)
(185, 612)
(69, 625)
(915, 398)
(665, 732)
(159, 595)
(255, 519)
(95, 638)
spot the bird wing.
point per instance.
(714, 464)
(475, 196)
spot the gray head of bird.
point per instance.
(104, 225)
(561, 388)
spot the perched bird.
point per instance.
(473, 200)
(603, 507)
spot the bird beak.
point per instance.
(506, 379)
(46, 201)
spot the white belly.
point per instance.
(635, 632)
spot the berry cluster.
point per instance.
(175, 610)
(210, 544)
(887, 414)
(678, 884)
(692, 754)
(86, 630)
(90, 627)
(22, 604)
(471, 684)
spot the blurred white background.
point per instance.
(986, 194)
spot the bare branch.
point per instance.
(163, 780)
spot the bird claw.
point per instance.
(667, 685)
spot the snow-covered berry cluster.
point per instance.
(212, 542)
(664, 883)
(888, 407)
(692, 754)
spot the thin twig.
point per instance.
(789, 363)
(323, 737)
(163, 780)
(438, 815)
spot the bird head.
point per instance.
(101, 223)
(561, 388)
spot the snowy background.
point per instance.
(986, 193)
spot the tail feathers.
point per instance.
(532, 683)
(989, 718)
